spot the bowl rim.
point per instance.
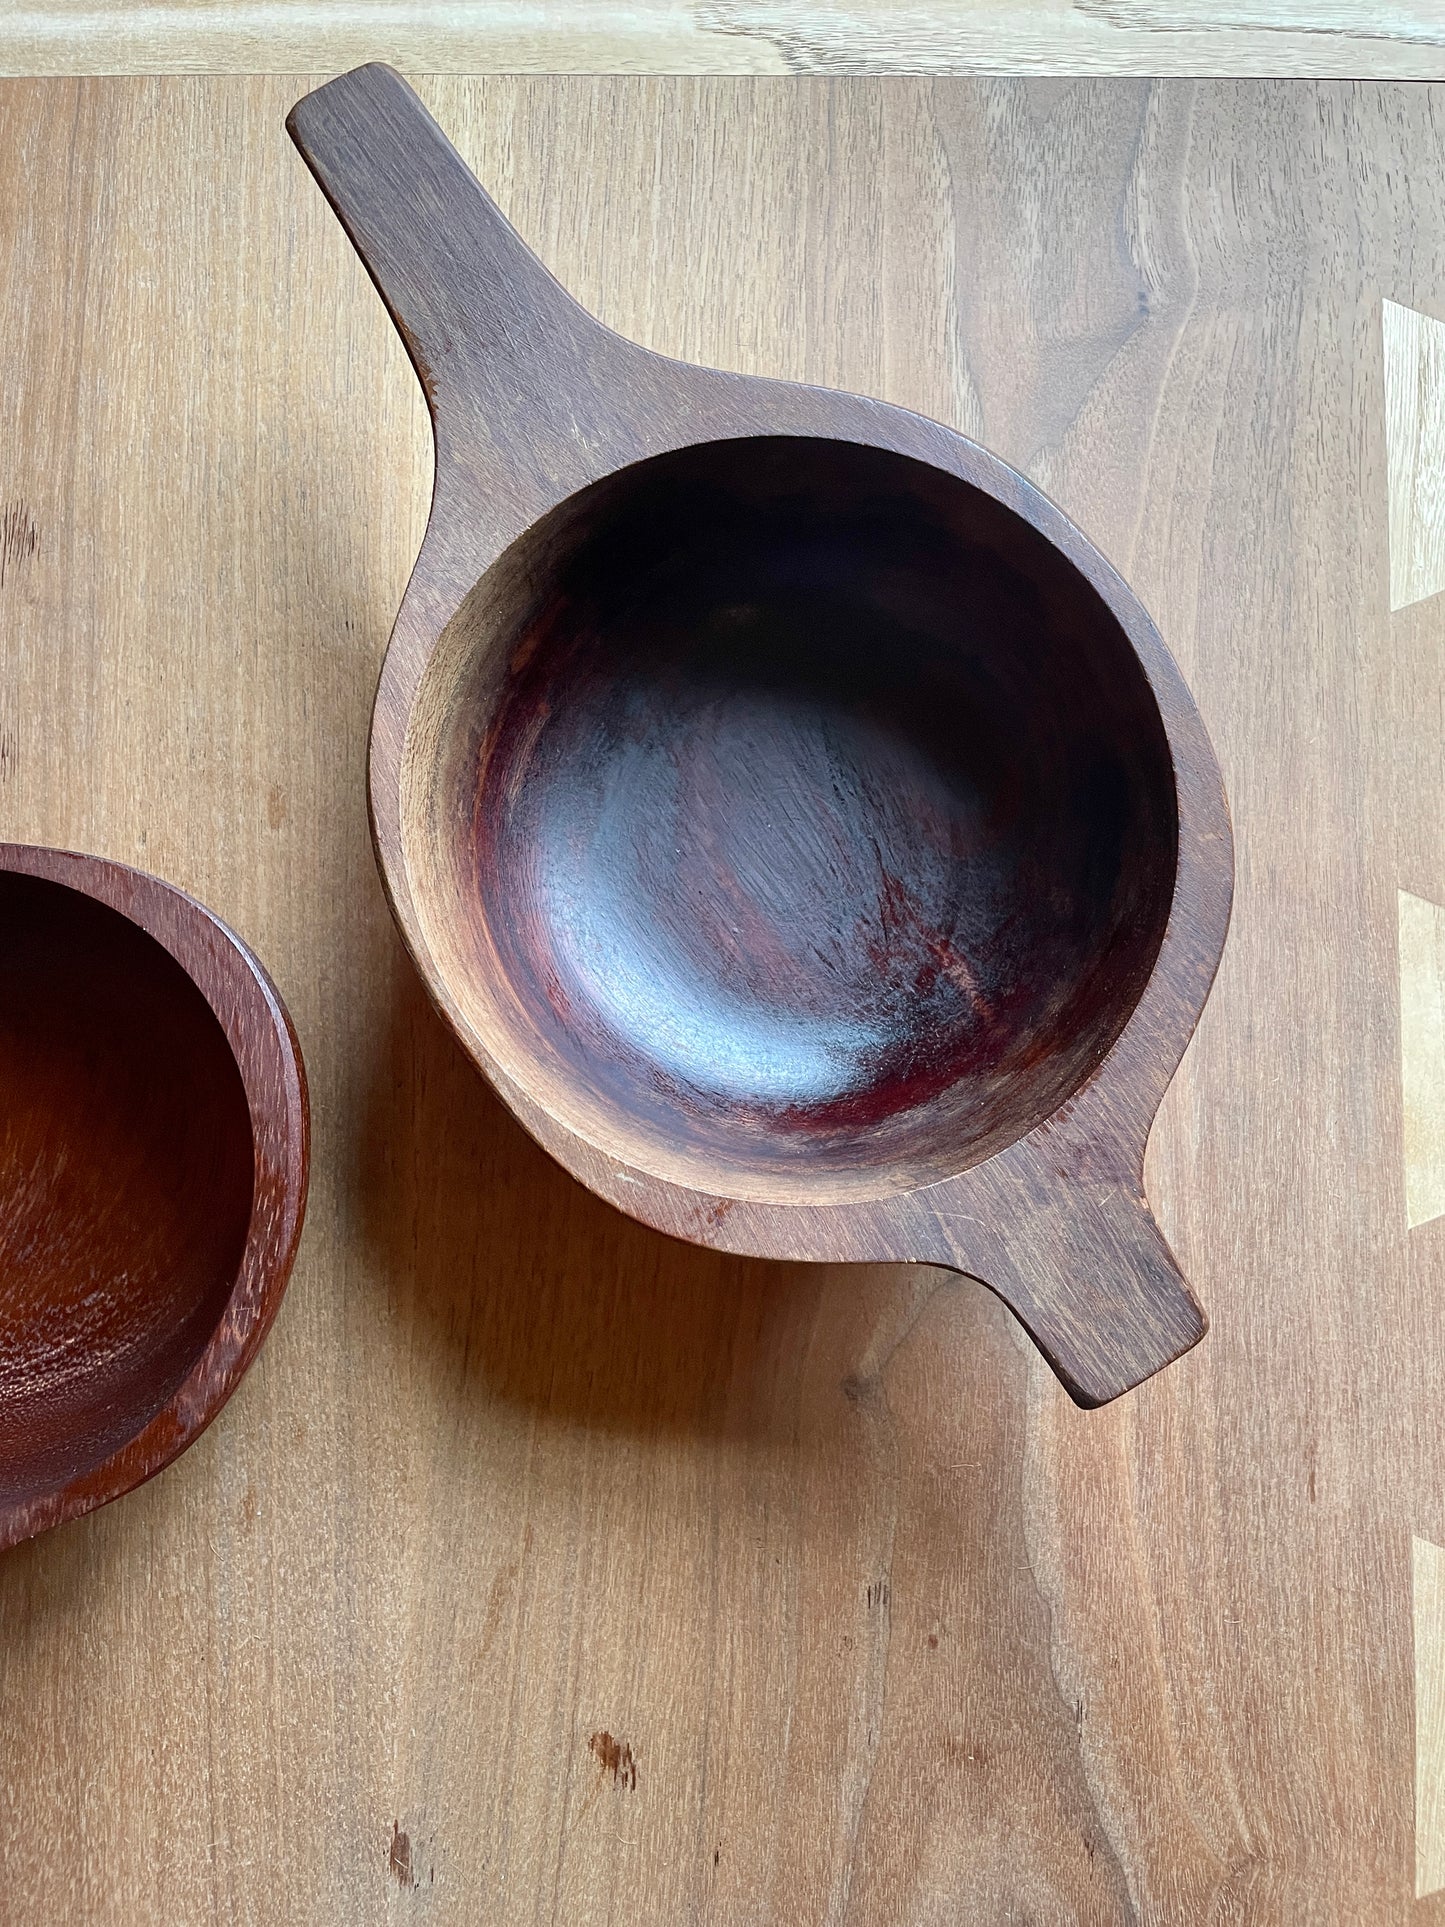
(466, 535)
(443, 715)
(262, 1040)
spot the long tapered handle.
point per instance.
(488, 329)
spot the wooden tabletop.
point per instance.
(544, 1570)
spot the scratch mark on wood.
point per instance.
(19, 538)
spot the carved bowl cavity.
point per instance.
(153, 1170)
(790, 818)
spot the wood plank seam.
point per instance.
(1315, 38)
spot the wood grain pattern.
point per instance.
(1414, 347)
(798, 821)
(1422, 1055)
(1315, 38)
(1429, 1608)
(888, 1629)
(154, 1141)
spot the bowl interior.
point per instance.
(790, 818)
(126, 1174)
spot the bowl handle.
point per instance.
(1088, 1274)
(493, 336)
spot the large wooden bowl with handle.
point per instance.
(796, 818)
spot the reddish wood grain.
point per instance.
(795, 816)
(511, 1469)
(154, 1145)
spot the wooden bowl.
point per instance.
(797, 819)
(153, 1167)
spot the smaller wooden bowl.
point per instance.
(154, 1144)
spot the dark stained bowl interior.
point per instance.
(797, 820)
(126, 1175)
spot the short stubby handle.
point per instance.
(1087, 1272)
(1101, 1295)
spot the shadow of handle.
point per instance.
(1095, 1285)
(486, 325)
